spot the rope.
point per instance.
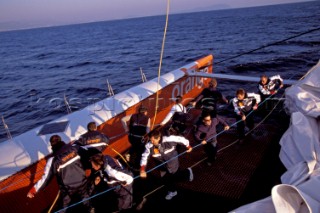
(120, 155)
(194, 147)
(267, 45)
(54, 202)
(160, 63)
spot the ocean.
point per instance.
(39, 67)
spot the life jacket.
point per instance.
(138, 124)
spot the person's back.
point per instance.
(66, 166)
(138, 123)
(93, 138)
(137, 126)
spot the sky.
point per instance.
(23, 14)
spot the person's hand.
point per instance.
(143, 174)
(189, 149)
(31, 193)
(97, 180)
(227, 127)
(203, 142)
(255, 107)
(243, 117)
(124, 183)
(281, 85)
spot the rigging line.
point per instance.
(267, 45)
(7, 129)
(160, 63)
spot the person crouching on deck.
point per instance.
(163, 150)
(244, 104)
(110, 171)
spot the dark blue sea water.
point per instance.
(39, 66)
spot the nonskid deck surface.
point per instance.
(240, 174)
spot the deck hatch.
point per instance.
(53, 128)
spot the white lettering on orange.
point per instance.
(185, 86)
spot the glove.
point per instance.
(143, 173)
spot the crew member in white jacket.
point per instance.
(163, 150)
(269, 86)
(177, 107)
(244, 105)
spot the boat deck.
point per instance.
(241, 173)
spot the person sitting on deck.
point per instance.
(65, 165)
(107, 172)
(209, 98)
(206, 134)
(90, 141)
(163, 150)
(269, 86)
(244, 105)
(137, 127)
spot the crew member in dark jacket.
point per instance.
(163, 150)
(93, 138)
(206, 133)
(137, 127)
(244, 104)
(110, 171)
(65, 165)
(90, 142)
(209, 98)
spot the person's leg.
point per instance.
(84, 193)
(240, 127)
(183, 175)
(135, 152)
(125, 197)
(169, 181)
(250, 120)
(66, 200)
(211, 151)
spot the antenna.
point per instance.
(111, 93)
(143, 76)
(6, 128)
(67, 104)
